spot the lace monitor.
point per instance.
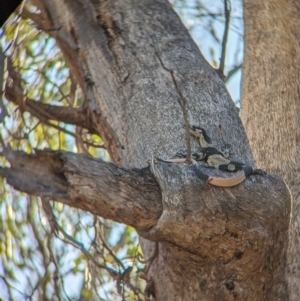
(215, 159)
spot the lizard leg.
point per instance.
(199, 173)
(259, 172)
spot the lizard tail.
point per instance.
(227, 182)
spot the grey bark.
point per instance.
(138, 68)
(270, 103)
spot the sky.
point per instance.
(208, 34)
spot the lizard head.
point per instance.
(196, 131)
(200, 132)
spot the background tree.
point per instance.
(135, 94)
(270, 103)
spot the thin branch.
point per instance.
(105, 245)
(152, 258)
(3, 110)
(7, 287)
(15, 94)
(114, 274)
(56, 228)
(45, 111)
(183, 105)
(225, 38)
(52, 220)
(69, 239)
(233, 71)
(212, 15)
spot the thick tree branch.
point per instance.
(14, 93)
(130, 196)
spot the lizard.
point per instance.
(215, 159)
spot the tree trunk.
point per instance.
(140, 70)
(270, 103)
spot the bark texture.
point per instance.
(139, 70)
(270, 103)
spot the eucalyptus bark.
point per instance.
(271, 105)
(139, 70)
